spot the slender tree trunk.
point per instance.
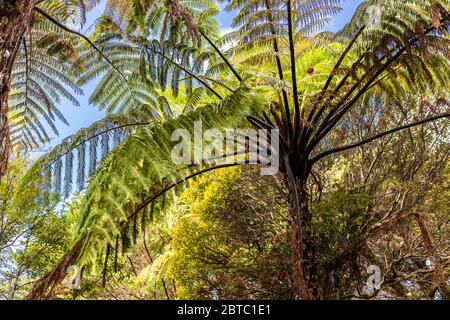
(303, 252)
(15, 19)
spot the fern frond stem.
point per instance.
(199, 79)
(220, 83)
(335, 91)
(338, 87)
(258, 122)
(62, 26)
(341, 59)
(337, 113)
(327, 84)
(367, 86)
(392, 51)
(173, 185)
(330, 114)
(316, 117)
(377, 136)
(193, 75)
(27, 69)
(227, 62)
(384, 77)
(294, 77)
(276, 49)
(135, 124)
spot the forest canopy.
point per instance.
(272, 160)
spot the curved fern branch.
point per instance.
(179, 181)
(294, 77)
(187, 71)
(375, 137)
(134, 124)
(59, 24)
(228, 63)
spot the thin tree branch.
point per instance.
(220, 83)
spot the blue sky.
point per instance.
(86, 114)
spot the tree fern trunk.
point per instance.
(303, 252)
(15, 19)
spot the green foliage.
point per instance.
(33, 236)
(339, 220)
(232, 241)
(261, 24)
(85, 150)
(51, 239)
